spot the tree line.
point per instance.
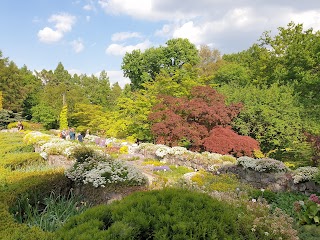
(267, 94)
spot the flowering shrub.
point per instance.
(57, 146)
(270, 165)
(262, 165)
(303, 174)
(211, 160)
(162, 151)
(36, 138)
(99, 173)
(308, 210)
(247, 162)
(124, 149)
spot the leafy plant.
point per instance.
(49, 214)
(81, 153)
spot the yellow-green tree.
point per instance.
(64, 117)
(1, 100)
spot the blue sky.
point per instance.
(89, 36)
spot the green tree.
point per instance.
(64, 118)
(270, 115)
(144, 67)
(232, 73)
(45, 114)
(88, 116)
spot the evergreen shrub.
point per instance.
(166, 214)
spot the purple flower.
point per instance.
(161, 168)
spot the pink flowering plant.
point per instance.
(309, 210)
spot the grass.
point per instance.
(49, 214)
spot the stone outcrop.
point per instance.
(272, 181)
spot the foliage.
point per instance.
(314, 140)
(232, 73)
(225, 141)
(144, 67)
(191, 119)
(7, 117)
(303, 174)
(63, 120)
(262, 164)
(100, 170)
(44, 114)
(18, 86)
(271, 116)
(1, 100)
(221, 183)
(283, 200)
(16, 161)
(81, 153)
(50, 213)
(309, 232)
(309, 210)
(88, 116)
(171, 211)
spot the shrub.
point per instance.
(173, 214)
(262, 165)
(303, 174)
(309, 210)
(16, 161)
(123, 150)
(225, 141)
(100, 170)
(81, 153)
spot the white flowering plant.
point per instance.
(100, 172)
(262, 165)
(303, 174)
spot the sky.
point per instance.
(88, 36)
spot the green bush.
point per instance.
(309, 232)
(163, 214)
(16, 161)
(283, 200)
(83, 152)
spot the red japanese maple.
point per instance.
(225, 141)
(193, 118)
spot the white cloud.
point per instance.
(190, 31)
(117, 76)
(121, 49)
(63, 23)
(47, 35)
(88, 7)
(141, 9)
(121, 36)
(88, 18)
(311, 19)
(77, 45)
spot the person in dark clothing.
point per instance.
(80, 137)
(72, 134)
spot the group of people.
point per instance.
(70, 134)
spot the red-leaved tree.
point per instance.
(225, 141)
(194, 119)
